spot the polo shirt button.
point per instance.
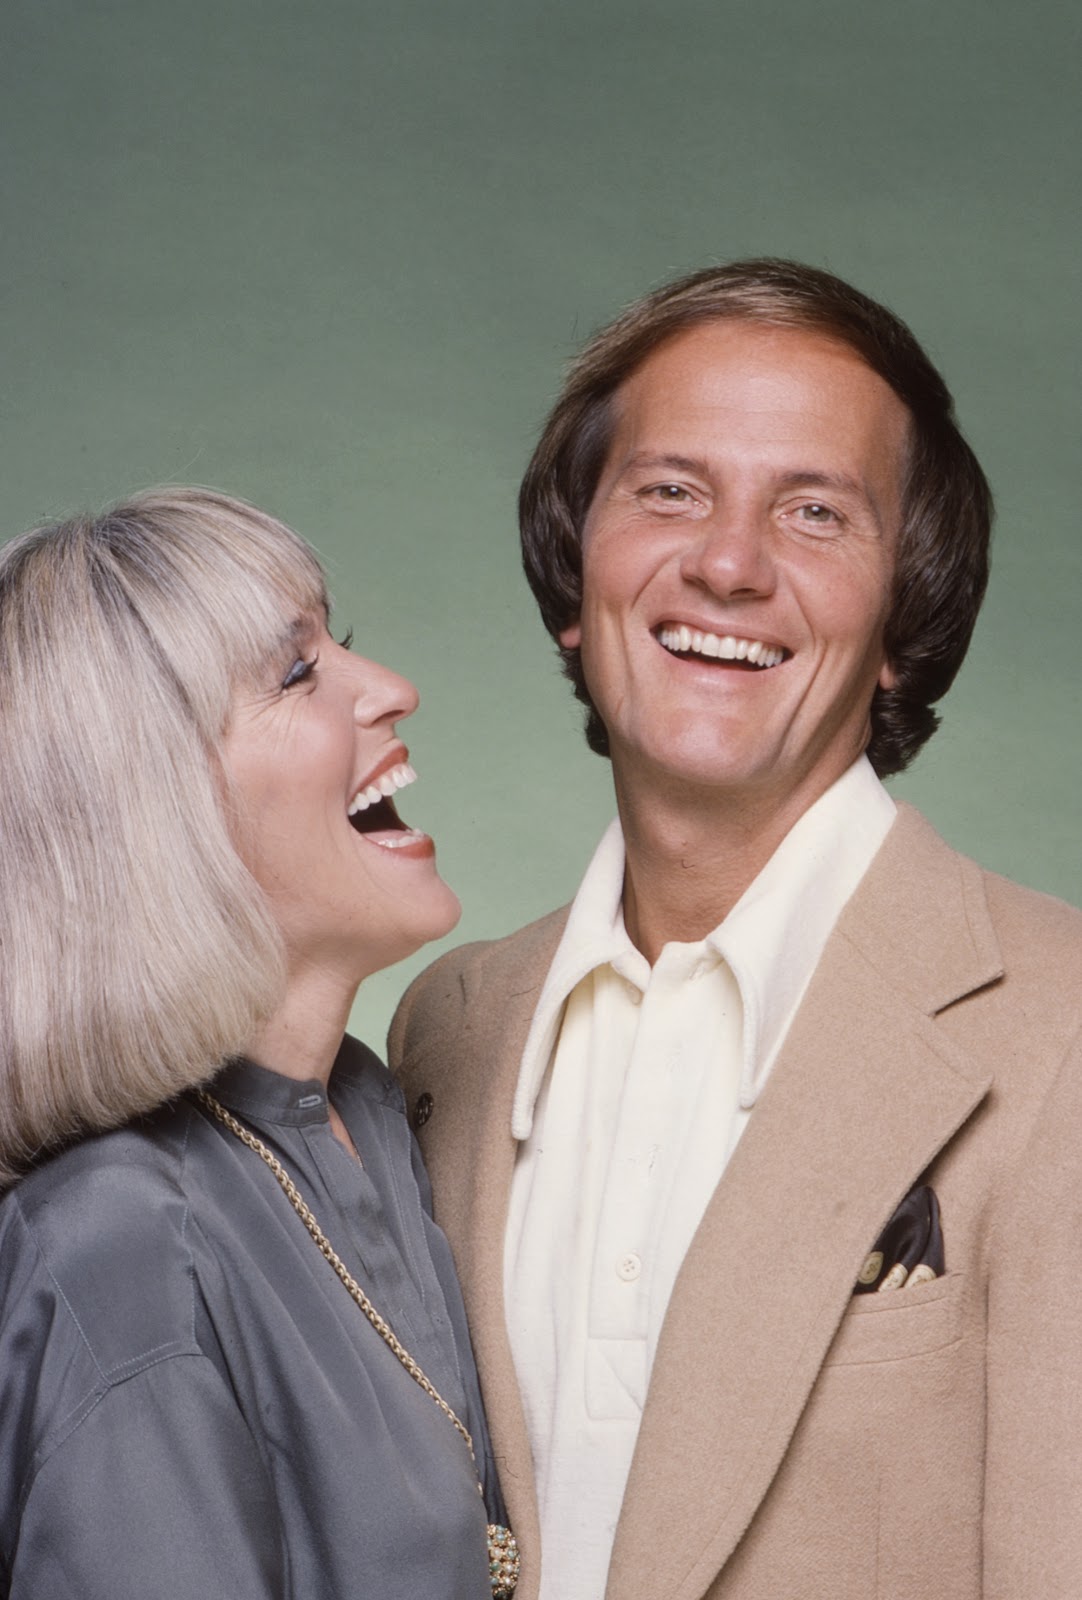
(422, 1110)
(629, 1267)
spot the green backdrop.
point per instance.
(333, 256)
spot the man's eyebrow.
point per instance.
(813, 478)
(660, 463)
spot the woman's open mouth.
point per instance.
(372, 812)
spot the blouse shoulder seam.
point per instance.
(54, 1280)
(73, 1420)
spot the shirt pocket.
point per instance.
(901, 1323)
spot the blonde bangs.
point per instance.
(220, 590)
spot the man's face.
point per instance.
(738, 557)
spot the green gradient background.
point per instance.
(333, 257)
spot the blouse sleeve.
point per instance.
(158, 1491)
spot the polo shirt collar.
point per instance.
(772, 939)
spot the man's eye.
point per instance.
(299, 671)
(669, 494)
(815, 511)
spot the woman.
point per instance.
(200, 860)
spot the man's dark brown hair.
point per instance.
(942, 566)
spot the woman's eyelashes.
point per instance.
(303, 668)
(299, 671)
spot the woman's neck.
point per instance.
(303, 1035)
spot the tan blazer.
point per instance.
(922, 1445)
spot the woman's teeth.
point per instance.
(383, 787)
(724, 647)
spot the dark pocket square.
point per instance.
(913, 1237)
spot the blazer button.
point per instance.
(422, 1110)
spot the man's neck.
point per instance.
(690, 858)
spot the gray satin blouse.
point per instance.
(191, 1404)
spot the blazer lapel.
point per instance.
(470, 1155)
(866, 1091)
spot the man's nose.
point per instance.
(732, 554)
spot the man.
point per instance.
(786, 1047)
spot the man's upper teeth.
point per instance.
(724, 647)
(381, 788)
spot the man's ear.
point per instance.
(571, 636)
(888, 678)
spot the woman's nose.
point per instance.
(382, 694)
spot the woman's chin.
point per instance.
(413, 928)
(450, 915)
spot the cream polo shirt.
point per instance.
(634, 1087)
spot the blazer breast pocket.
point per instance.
(900, 1323)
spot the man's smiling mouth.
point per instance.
(684, 641)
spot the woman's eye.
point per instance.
(299, 671)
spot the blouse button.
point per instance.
(422, 1110)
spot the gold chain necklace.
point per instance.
(503, 1554)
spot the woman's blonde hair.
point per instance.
(136, 951)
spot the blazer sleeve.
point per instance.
(430, 1008)
(1033, 1489)
(399, 1029)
